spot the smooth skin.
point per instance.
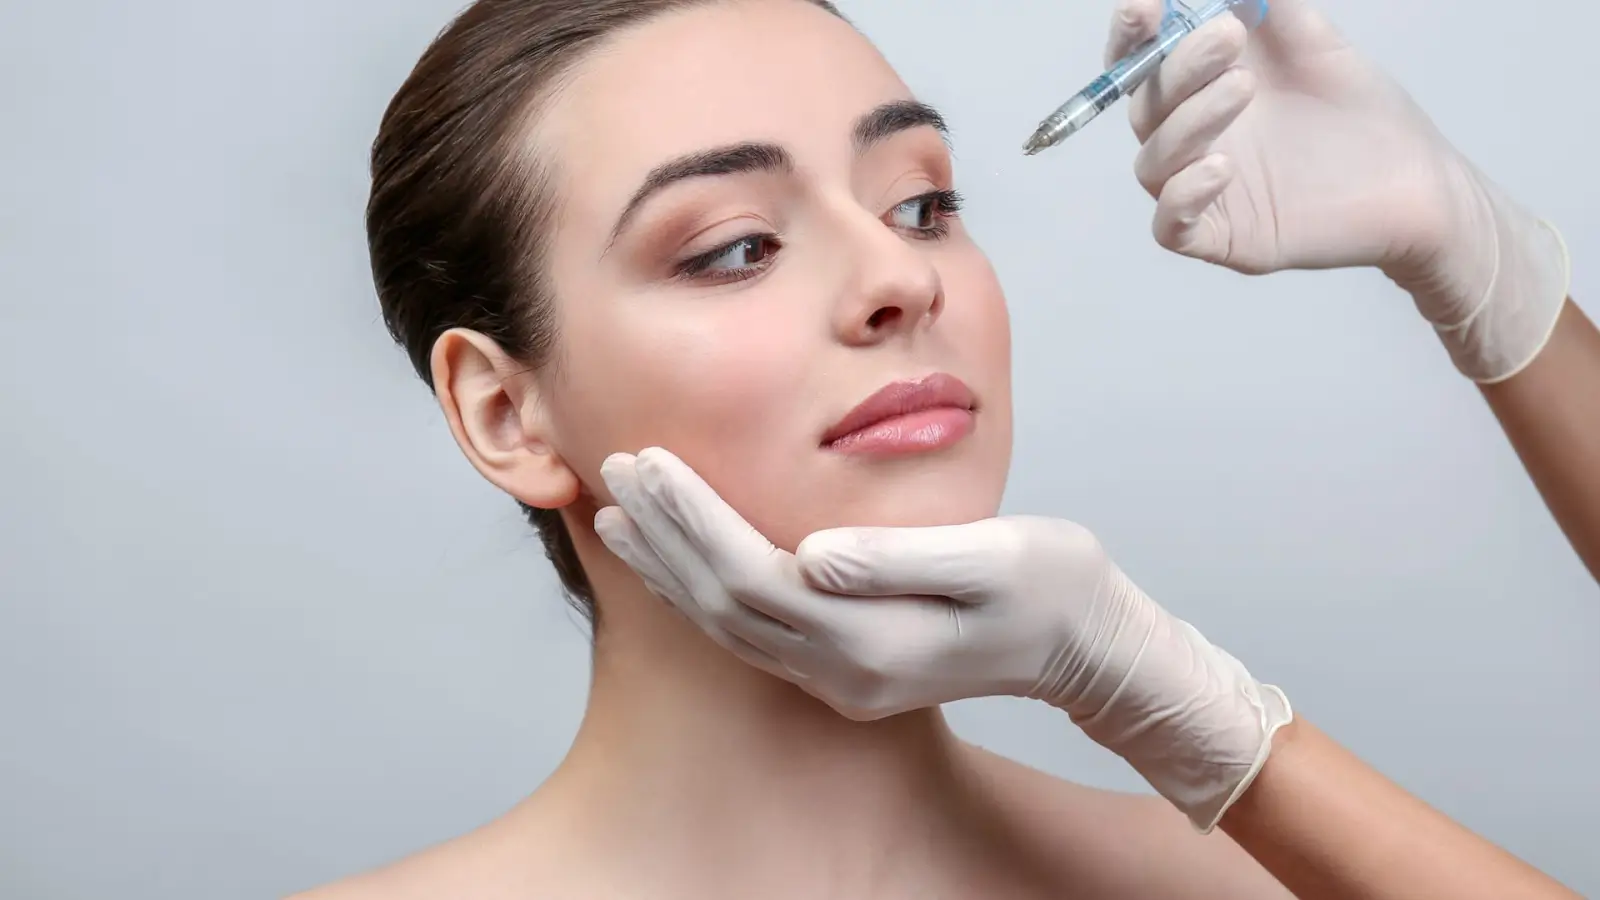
(693, 774)
(1291, 152)
(859, 603)
(1551, 413)
(1392, 844)
(1329, 827)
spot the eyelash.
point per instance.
(946, 205)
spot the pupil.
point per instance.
(921, 213)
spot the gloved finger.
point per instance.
(1184, 221)
(693, 588)
(1189, 133)
(740, 558)
(1133, 23)
(623, 538)
(1199, 59)
(621, 534)
(1294, 30)
(736, 576)
(656, 530)
(955, 561)
(754, 656)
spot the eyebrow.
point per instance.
(891, 118)
(873, 128)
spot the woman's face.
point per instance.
(753, 235)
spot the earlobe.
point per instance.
(493, 407)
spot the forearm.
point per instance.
(1551, 412)
(1328, 826)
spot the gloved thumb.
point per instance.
(954, 561)
(1295, 29)
(1287, 24)
(1133, 23)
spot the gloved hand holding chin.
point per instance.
(876, 622)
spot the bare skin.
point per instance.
(1011, 844)
(1551, 413)
(1317, 818)
(694, 775)
(1331, 828)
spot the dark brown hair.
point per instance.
(457, 216)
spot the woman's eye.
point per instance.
(917, 214)
(743, 255)
(928, 215)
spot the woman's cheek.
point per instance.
(976, 317)
(742, 385)
(742, 410)
(698, 370)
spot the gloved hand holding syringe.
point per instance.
(1127, 73)
(1270, 143)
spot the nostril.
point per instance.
(888, 315)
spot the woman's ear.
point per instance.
(495, 412)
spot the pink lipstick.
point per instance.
(906, 417)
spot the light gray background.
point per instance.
(261, 626)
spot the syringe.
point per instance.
(1131, 71)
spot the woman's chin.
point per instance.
(919, 510)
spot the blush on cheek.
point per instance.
(732, 397)
(734, 374)
(743, 407)
(735, 396)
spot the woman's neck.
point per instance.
(689, 760)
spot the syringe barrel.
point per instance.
(1195, 14)
(1181, 19)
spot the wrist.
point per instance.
(1492, 282)
(1186, 715)
(1211, 744)
(1518, 313)
(1449, 259)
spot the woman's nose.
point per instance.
(897, 290)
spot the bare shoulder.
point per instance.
(412, 878)
(1112, 844)
(491, 863)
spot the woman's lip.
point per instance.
(939, 401)
(917, 432)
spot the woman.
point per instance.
(717, 227)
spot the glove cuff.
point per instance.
(1232, 738)
(1275, 713)
(1530, 280)
(1517, 317)
(1183, 713)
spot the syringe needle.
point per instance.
(1128, 73)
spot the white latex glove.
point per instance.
(1292, 151)
(877, 621)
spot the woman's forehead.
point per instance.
(772, 71)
